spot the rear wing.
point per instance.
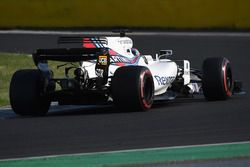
(86, 42)
(68, 55)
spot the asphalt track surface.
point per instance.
(177, 123)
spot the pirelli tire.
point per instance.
(133, 88)
(26, 93)
(217, 82)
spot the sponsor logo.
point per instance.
(119, 59)
(164, 80)
(125, 41)
(103, 60)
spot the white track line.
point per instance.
(149, 33)
(123, 151)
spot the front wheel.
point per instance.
(133, 88)
(217, 82)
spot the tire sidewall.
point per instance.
(146, 93)
(132, 88)
(217, 82)
(26, 93)
(226, 68)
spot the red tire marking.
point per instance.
(145, 103)
(228, 91)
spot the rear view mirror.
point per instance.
(165, 53)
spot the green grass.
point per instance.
(9, 63)
(143, 157)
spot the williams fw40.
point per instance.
(104, 70)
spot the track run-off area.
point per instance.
(178, 130)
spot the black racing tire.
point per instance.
(25, 93)
(133, 88)
(217, 81)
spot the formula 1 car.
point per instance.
(109, 70)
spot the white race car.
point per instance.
(110, 70)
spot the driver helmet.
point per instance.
(135, 52)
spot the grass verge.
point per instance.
(9, 63)
(137, 157)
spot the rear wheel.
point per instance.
(217, 82)
(26, 93)
(133, 88)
